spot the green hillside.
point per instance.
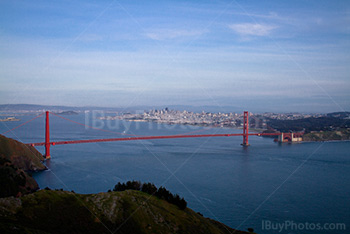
(16, 159)
(20, 155)
(48, 211)
(120, 211)
(339, 135)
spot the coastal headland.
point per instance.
(24, 208)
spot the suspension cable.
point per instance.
(109, 131)
(10, 130)
(104, 130)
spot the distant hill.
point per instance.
(14, 107)
(332, 121)
(337, 135)
(67, 113)
(31, 107)
(341, 115)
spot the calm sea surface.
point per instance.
(300, 185)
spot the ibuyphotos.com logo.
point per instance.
(290, 225)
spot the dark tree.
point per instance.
(133, 185)
(119, 187)
(149, 188)
(183, 204)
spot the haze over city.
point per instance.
(255, 55)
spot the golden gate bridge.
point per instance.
(283, 137)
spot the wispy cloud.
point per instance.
(249, 29)
(168, 34)
(90, 37)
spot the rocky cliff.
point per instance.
(16, 159)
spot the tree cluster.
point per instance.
(130, 185)
(149, 188)
(309, 124)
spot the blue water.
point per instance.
(241, 187)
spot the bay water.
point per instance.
(271, 187)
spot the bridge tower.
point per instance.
(245, 128)
(47, 136)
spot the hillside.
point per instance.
(327, 123)
(22, 210)
(16, 159)
(340, 135)
(20, 155)
(48, 211)
(15, 181)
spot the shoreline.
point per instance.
(227, 127)
(326, 141)
(195, 125)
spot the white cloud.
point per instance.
(248, 29)
(166, 34)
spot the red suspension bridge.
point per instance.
(48, 143)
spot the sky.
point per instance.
(279, 56)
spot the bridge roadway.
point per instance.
(150, 138)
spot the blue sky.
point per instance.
(256, 55)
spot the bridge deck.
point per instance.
(150, 138)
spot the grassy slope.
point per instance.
(21, 156)
(340, 135)
(15, 159)
(124, 212)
